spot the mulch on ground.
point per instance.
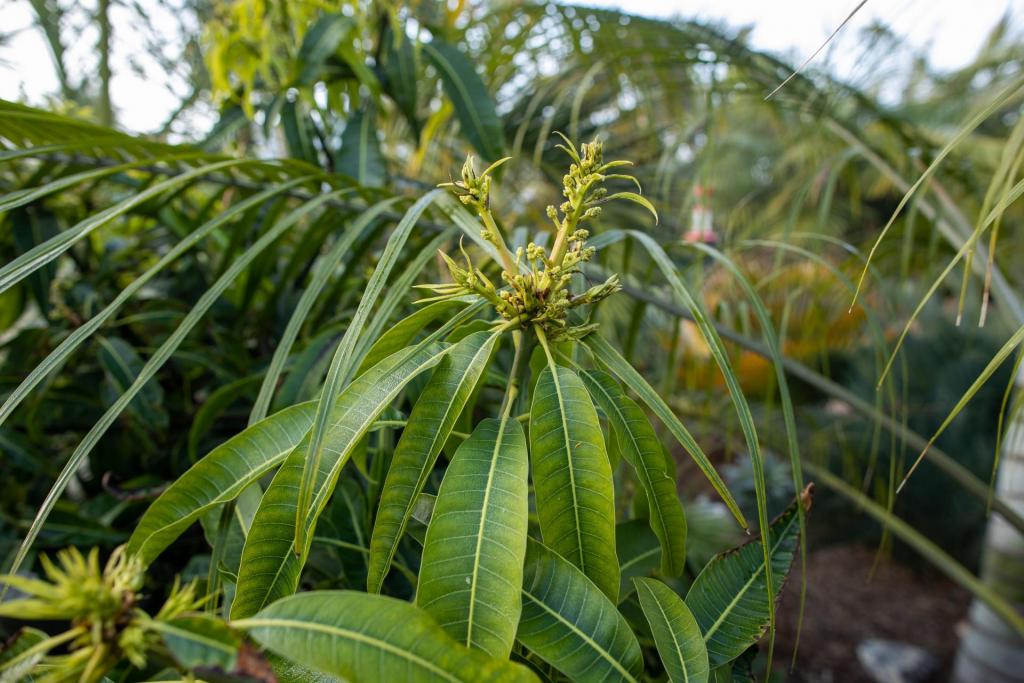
(847, 604)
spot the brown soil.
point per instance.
(846, 605)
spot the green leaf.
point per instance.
(620, 367)
(364, 637)
(321, 41)
(156, 361)
(676, 634)
(426, 431)
(270, 564)
(344, 357)
(636, 199)
(400, 67)
(471, 575)
(639, 444)
(326, 267)
(219, 477)
(569, 622)
(297, 133)
(360, 156)
(80, 334)
(121, 364)
(402, 333)
(639, 553)
(473, 104)
(200, 640)
(35, 258)
(729, 598)
(573, 478)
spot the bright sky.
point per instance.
(949, 31)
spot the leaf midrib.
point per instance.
(587, 639)
(746, 586)
(572, 466)
(480, 531)
(346, 634)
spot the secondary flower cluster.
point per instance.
(101, 605)
(536, 281)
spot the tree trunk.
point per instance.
(990, 650)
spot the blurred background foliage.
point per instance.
(380, 99)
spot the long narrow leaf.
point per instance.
(471, 574)
(428, 427)
(154, 364)
(344, 357)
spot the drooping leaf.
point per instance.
(320, 42)
(473, 104)
(676, 633)
(363, 637)
(572, 477)
(621, 368)
(569, 622)
(121, 364)
(219, 477)
(360, 156)
(400, 67)
(729, 598)
(426, 431)
(639, 553)
(640, 445)
(200, 640)
(270, 564)
(344, 360)
(471, 574)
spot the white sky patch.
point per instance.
(948, 32)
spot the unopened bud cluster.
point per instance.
(102, 604)
(535, 281)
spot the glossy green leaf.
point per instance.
(473, 103)
(676, 633)
(344, 360)
(270, 564)
(572, 477)
(640, 446)
(219, 477)
(402, 333)
(426, 431)
(360, 156)
(620, 367)
(729, 598)
(199, 640)
(471, 574)
(569, 622)
(364, 637)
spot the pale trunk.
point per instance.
(990, 650)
